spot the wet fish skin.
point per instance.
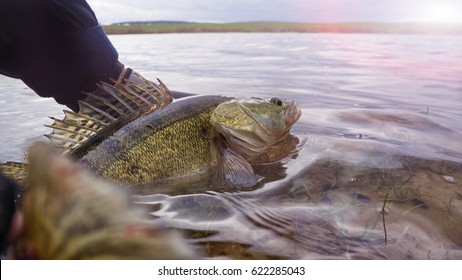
(101, 114)
(200, 135)
(174, 141)
(206, 135)
(252, 125)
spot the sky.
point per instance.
(112, 11)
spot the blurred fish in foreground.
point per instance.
(68, 214)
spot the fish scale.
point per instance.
(171, 142)
(129, 134)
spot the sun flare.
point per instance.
(442, 14)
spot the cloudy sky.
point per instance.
(110, 11)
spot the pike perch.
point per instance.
(129, 136)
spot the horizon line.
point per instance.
(279, 21)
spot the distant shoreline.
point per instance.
(278, 27)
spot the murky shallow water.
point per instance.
(381, 114)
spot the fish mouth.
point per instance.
(265, 132)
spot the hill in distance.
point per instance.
(134, 23)
(268, 26)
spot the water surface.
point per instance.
(381, 114)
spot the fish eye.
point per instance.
(277, 101)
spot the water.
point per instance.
(381, 114)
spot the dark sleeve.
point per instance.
(56, 47)
(73, 15)
(82, 34)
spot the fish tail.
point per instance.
(15, 170)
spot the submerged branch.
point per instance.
(383, 217)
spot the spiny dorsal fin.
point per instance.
(110, 103)
(107, 108)
(75, 129)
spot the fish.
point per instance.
(71, 214)
(104, 111)
(214, 136)
(101, 114)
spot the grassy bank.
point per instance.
(360, 27)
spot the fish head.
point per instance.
(252, 125)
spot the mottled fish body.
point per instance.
(132, 135)
(174, 141)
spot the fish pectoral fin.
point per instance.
(15, 170)
(233, 171)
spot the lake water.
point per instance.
(382, 114)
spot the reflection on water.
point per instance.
(329, 209)
(381, 114)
